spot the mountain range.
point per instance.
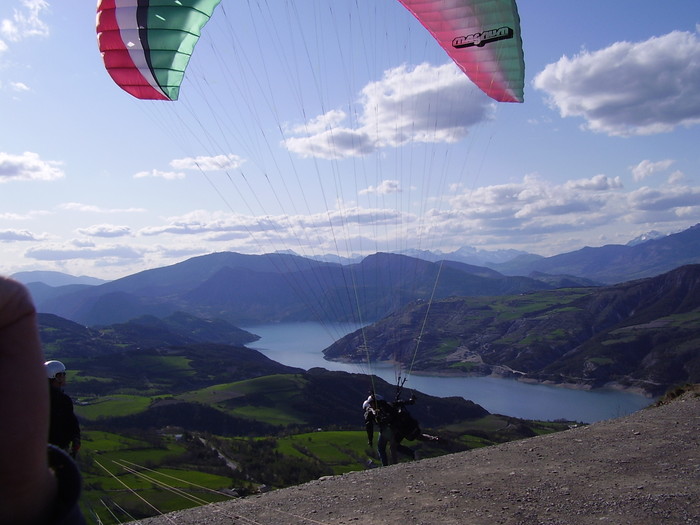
(471, 254)
(252, 289)
(54, 279)
(643, 334)
(623, 314)
(615, 263)
(161, 349)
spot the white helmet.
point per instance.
(53, 368)
(368, 401)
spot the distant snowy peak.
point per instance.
(465, 254)
(471, 255)
(649, 236)
(327, 258)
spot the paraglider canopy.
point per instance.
(146, 45)
(482, 37)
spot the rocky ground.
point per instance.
(640, 469)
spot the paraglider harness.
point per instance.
(384, 412)
(394, 414)
(405, 425)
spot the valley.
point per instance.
(173, 402)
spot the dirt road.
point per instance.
(637, 470)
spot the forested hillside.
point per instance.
(643, 334)
(151, 398)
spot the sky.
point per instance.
(342, 128)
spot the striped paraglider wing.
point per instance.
(146, 45)
(482, 37)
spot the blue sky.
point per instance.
(333, 128)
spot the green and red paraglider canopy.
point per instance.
(146, 45)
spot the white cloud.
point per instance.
(306, 234)
(207, 163)
(322, 123)
(214, 225)
(167, 175)
(424, 104)
(28, 166)
(629, 88)
(82, 243)
(16, 235)
(533, 214)
(595, 183)
(113, 253)
(676, 177)
(647, 168)
(105, 230)
(29, 215)
(195, 222)
(178, 252)
(19, 86)
(521, 212)
(665, 199)
(91, 208)
(180, 227)
(25, 23)
(384, 188)
(332, 144)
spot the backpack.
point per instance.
(384, 412)
(405, 425)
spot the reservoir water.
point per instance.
(301, 344)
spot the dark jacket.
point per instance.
(63, 428)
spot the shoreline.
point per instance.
(523, 378)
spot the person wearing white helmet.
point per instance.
(36, 487)
(64, 430)
(54, 368)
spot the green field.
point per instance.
(343, 451)
(121, 474)
(266, 399)
(113, 405)
(128, 477)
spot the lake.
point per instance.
(301, 344)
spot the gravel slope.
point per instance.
(640, 469)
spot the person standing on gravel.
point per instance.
(395, 424)
(38, 485)
(64, 430)
(405, 426)
(379, 412)
(369, 407)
